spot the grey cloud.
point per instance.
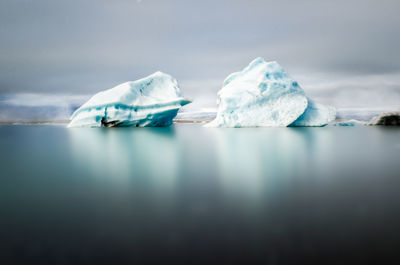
(81, 47)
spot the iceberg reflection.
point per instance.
(123, 156)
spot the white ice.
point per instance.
(263, 95)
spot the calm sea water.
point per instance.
(193, 195)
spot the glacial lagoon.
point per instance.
(193, 195)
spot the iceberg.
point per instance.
(264, 95)
(348, 123)
(152, 101)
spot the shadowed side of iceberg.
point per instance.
(315, 115)
(151, 101)
(112, 115)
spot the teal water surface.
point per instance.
(193, 195)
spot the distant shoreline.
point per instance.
(14, 122)
(4, 122)
(343, 114)
(38, 122)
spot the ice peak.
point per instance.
(263, 94)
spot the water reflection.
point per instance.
(226, 196)
(123, 156)
(255, 160)
(247, 162)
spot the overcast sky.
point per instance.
(345, 53)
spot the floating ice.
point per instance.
(151, 101)
(263, 94)
(348, 123)
(315, 114)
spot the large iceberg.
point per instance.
(151, 101)
(263, 94)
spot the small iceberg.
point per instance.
(348, 123)
(152, 101)
(263, 95)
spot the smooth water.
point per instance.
(194, 195)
